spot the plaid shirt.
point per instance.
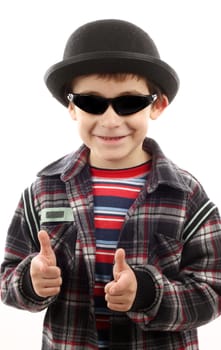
(179, 278)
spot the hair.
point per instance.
(152, 87)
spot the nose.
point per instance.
(110, 119)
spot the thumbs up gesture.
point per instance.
(45, 275)
(121, 292)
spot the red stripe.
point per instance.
(103, 257)
(102, 324)
(121, 173)
(99, 290)
(111, 225)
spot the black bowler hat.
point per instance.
(110, 46)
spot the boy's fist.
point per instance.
(45, 275)
(121, 293)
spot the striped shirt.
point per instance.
(114, 192)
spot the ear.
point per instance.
(72, 111)
(158, 107)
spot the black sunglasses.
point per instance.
(123, 105)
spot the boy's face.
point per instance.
(114, 141)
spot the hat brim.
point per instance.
(61, 74)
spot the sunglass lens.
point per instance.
(90, 104)
(126, 105)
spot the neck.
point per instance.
(119, 163)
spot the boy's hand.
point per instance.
(45, 275)
(121, 292)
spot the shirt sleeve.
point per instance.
(15, 281)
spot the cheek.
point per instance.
(85, 124)
(141, 123)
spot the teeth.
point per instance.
(111, 138)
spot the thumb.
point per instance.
(120, 263)
(45, 248)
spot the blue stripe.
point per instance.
(115, 202)
(110, 234)
(107, 210)
(103, 278)
(106, 243)
(102, 311)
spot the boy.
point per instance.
(129, 252)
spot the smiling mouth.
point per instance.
(111, 138)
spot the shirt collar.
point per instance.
(68, 166)
(164, 171)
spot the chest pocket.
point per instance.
(166, 253)
(57, 222)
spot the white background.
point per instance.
(35, 129)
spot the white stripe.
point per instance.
(195, 216)
(108, 208)
(105, 253)
(98, 287)
(27, 219)
(106, 246)
(106, 212)
(104, 219)
(199, 223)
(32, 213)
(137, 181)
(118, 188)
(32, 210)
